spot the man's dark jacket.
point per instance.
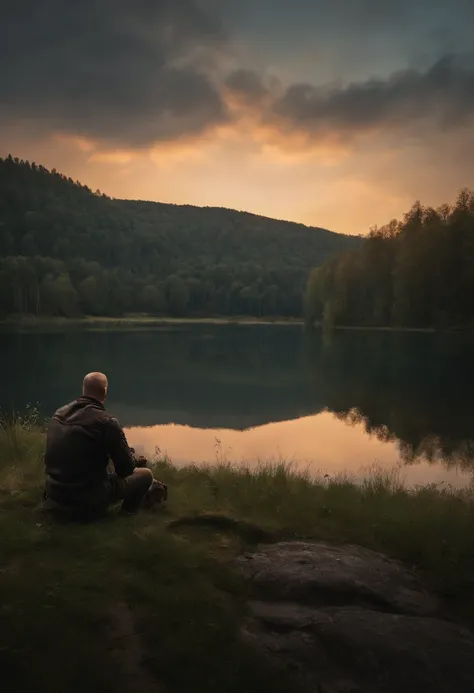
(81, 439)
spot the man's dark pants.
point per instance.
(130, 490)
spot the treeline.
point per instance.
(44, 286)
(418, 272)
(66, 250)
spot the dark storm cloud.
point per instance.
(247, 84)
(441, 97)
(133, 72)
(361, 43)
(128, 71)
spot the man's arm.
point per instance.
(118, 449)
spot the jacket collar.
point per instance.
(91, 400)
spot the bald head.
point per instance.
(95, 385)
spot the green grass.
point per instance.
(60, 584)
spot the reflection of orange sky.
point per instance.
(323, 442)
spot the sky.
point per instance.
(334, 113)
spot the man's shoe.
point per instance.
(157, 494)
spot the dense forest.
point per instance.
(66, 250)
(418, 272)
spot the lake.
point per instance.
(254, 393)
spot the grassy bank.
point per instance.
(69, 591)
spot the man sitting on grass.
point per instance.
(82, 438)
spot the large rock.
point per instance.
(320, 574)
(346, 619)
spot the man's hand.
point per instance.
(141, 461)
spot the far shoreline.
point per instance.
(136, 321)
(144, 321)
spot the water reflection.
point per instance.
(317, 444)
(203, 376)
(414, 388)
(341, 402)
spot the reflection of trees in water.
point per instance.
(432, 448)
(354, 417)
(458, 453)
(199, 375)
(415, 389)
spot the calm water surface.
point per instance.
(249, 393)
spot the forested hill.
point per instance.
(66, 250)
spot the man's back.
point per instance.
(81, 438)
